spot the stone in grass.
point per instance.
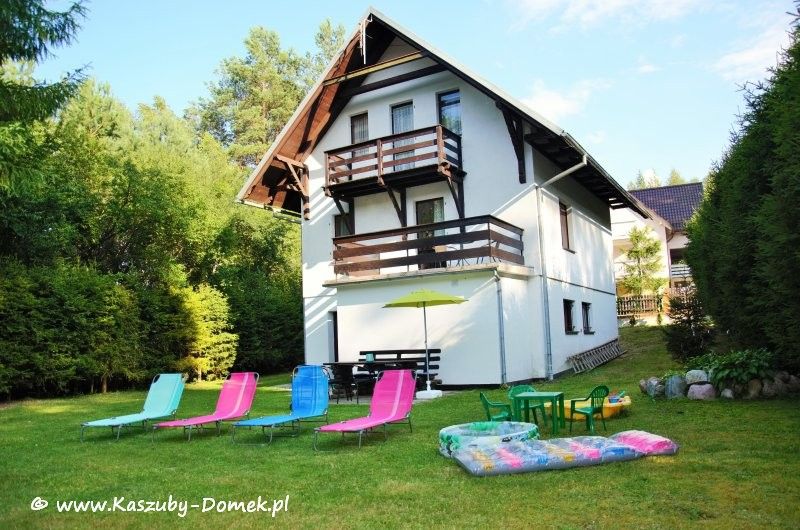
(769, 388)
(727, 393)
(654, 387)
(782, 376)
(773, 388)
(675, 386)
(643, 385)
(704, 391)
(793, 386)
(696, 376)
(753, 390)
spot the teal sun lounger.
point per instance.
(162, 401)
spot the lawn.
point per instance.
(739, 465)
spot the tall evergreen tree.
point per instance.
(744, 237)
(257, 94)
(28, 33)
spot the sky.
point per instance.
(644, 85)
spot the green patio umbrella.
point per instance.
(426, 298)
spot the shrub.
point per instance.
(691, 332)
(735, 367)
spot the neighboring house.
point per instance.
(670, 208)
(411, 172)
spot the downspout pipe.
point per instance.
(501, 329)
(548, 342)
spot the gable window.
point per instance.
(565, 215)
(359, 132)
(449, 104)
(359, 128)
(569, 318)
(403, 121)
(587, 318)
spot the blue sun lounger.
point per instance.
(309, 400)
(161, 402)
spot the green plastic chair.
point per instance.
(516, 389)
(503, 413)
(597, 397)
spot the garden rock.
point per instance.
(727, 393)
(753, 389)
(782, 376)
(793, 385)
(643, 385)
(654, 387)
(696, 376)
(780, 388)
(769, 388)
(675, 386)
(702, 391)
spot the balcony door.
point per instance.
(430, 211)
(403, 121)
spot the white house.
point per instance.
(669, 209)
(412, 172)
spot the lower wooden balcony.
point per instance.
(473, 240)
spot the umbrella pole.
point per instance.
(427, 353)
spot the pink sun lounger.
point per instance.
(233, 403)
(391, 403)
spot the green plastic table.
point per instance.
(557, 412)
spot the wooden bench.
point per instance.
(412, 359)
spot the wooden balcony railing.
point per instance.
(431, 146)
(435, 245)
(679, 270)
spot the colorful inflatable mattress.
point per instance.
(530, 454)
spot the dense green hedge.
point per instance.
(745, 238)
(67, 329)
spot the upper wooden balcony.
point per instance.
(397, 161)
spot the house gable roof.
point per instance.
(274, 184)
(674, 203)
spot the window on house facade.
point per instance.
(340, 226)
(587, 317)
(450, 110)
(359, 132)
(430, 211)
(403, 121)
(565, 214)
(569, 317)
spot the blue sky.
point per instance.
(642, 84)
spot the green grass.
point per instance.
(739, 465)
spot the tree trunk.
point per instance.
(103, 384)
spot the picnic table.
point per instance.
(556, 399)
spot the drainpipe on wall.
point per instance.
(501, 328)
(548, 343)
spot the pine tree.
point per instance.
(675, 178)
(642, 265)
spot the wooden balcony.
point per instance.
(679, 271)
(397, 161)
(473, 240)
